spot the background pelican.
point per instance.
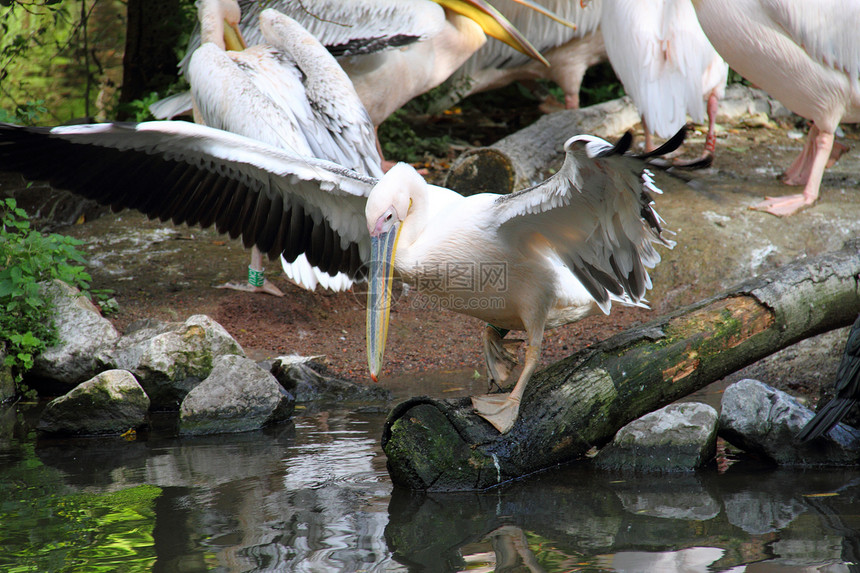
(392, 51)
(560, 251)
(805, 54)
(667, 65)
(569, 51)
(287, 91)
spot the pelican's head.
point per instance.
(387, 207)
(219, 23)
(494, 24)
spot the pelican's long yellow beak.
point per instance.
(381, 276)
(233, 39)
(496, 25)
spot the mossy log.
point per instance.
(581, 401)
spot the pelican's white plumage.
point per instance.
(287, 91)
(570, 52)
(805, 54)
(562, 250)
(666, 64)
(393, 50)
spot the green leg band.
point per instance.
(255, 277)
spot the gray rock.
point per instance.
(238, 396)
(764, 421)
(111, 403)
(169, 359)
(679, 437)
(305, 378)
(83, 332)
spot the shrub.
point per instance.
(27, 258)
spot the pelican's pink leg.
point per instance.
(707, 157)
(790, 204)
(501, 410)
(711, 139)
(836, 153)
(649, 139)
(798, 171)
(255, 268)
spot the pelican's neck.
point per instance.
(459, 39)
(417, 216)
(211, 18)
(219, 23)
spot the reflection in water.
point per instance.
(690, 560)
(315, 496)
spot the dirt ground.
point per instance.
(170, 272)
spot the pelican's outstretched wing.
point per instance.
(846, 390)
(596, 213)
(201, 176)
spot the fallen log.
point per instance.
(527, 157)
(524, 158)
(580, 402)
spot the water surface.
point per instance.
(314, 495)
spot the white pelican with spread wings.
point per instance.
(566, 248)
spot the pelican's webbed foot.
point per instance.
(783, 206)
(266, 288)
(499, 355)
(498, 409)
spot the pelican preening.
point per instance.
(847, 387)
(561, 250)
(287, 91)
(667, 66)
(392, 51)
(805, 54)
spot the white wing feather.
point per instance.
(591, 213)
(324, 189)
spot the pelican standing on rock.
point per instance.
(536, 259)
(287, 91)
(667, 66)
(806, 55)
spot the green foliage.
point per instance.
(400, 142)
(26, 258)
(67, 53)
(25, 114)
(138, 110)
(736, 78)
